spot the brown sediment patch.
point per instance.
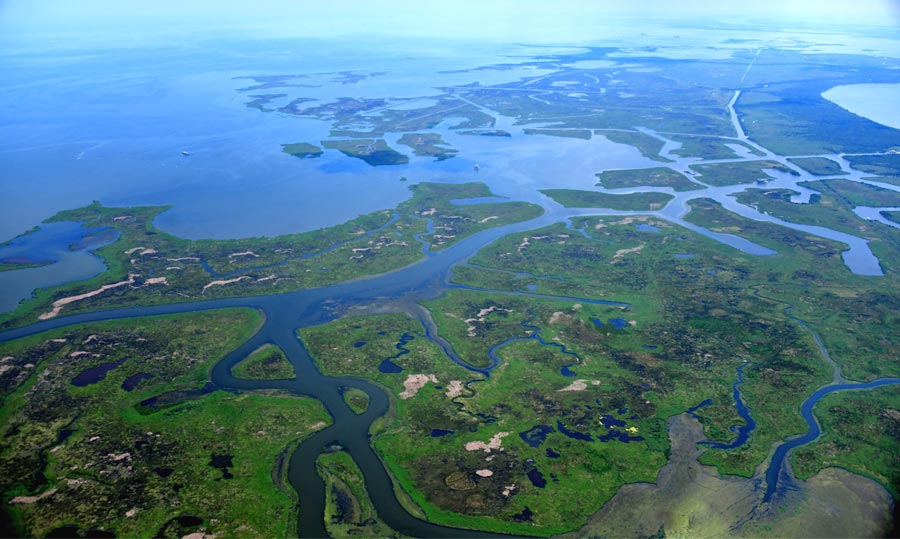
(693, 500)
(245, 253)
(184, 258)
(488, 218)
(426, 213)
(415, 382)
(157, 280)
(454, 388)
(484, 473)
(495, 443)
(121, 217)
(622, 252)
(223, 283)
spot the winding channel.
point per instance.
(401, 290)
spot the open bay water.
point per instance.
(877, 102)
(110, 125)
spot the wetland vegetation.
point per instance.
(562, 354)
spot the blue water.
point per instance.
(95, 374)
(644, 227)
(437, 433)
(536, 478)
(742, 431)
(536, 435)
(387, 365)
(68, 245)
(574, 434)
(618, 323)
(132, 381)
(777, 470)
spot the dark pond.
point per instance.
(524, 516)
(222, 463)
(650, 346)
(574, 434)
(643, 227)
(63, 435)
(163, 472)
(684, 255)
(95, 374)
(69, 531)
(537, 478)
(618, 323)
(189, 520)
(536, 435)
(175, 397)
(132, 381)
(389, 367)
(552, 454)
(360, 344)
(437, 433)
(565, 371)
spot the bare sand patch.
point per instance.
(454, 388)
(33, 499)
(415, 382)
(495, 443)
(577, 385)
(622, 252)
(60, 303)
(223, 283)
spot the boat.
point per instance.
(476, 167)
(185, 153)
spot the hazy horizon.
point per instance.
(503, 20)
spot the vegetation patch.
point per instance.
(348, 509)
(710, 147)
(860, 432)
(373, 152)
(303, 150)
(649, 146)
(719, 174)
(649, 177)
(820, 166)
(428, 144)
(91, 456)
(267, 362)
(574, 198)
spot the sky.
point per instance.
(533, 21)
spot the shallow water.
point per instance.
(877, 102)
